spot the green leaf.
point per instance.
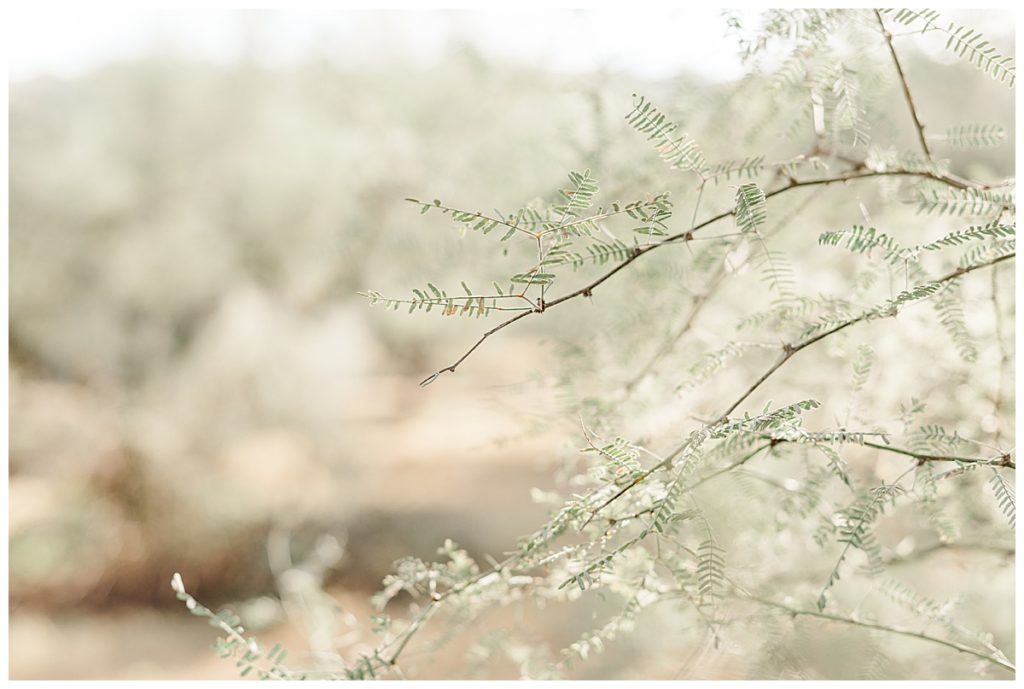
(676, 149)
(751, 208)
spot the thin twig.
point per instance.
(486, 218)
(700, 301)
(994, 548)
(504, 324)
(789, 351)
(906, 87)
(695, 308)
(1002, 662)
(1004, 357)
(738, 463)
(406, 636)
(1003, 460)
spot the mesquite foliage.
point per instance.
(640, 517)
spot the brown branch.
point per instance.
(738, 463)
(698, 304)
(1007, 551)
(788, 352)
(406, 636)
(1004, 358)
(906, 87)
(1002, 461)
(695, 308)
(794, 612)
(431, 378)
(638, 251)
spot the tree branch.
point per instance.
(906, 87)
(695, 308)
(504, 324)
(788, 352)
(700, 301)
(1002, 461)
(1006, 551)
(996, 660)
(859, 172)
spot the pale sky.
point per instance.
(652, 43)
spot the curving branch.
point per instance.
(906, 87)
(788, 352)
(999, 660)
(1001, 550)
(860, 171)
(399, 643)
(1003, 460)
(669, 344)
(699, 302)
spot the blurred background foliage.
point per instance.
(193, 378)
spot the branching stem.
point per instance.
(795, 612)
(919, 128)
(788, 352)
(588, 290)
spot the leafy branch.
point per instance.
(797, 612)
(857, 529)
(965, 42)
(918, 127)
(614, 470)
(890, 308)
(251, 658)
(858, 172)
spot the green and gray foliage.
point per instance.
(641, 521)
